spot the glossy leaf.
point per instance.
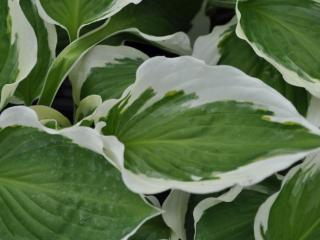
(154, 229)
(223, 47)
(157, 21)
(231, 216)
(294, 212)
(29, 89)
(57, 184)
(74, 14)
(18, 48)
(180, 110)
(105, 71)
(285, 33)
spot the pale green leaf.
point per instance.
(47, 115)
(87, 106)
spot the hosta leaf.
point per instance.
(49, 116)
(230, 216)
(74, 14)
(223, 47)
(169, 226)
(18, 48)
(200, 23)
(157, 17)
(175, 209)
(276, 30)
(154, 229)
(199, 128)
(29, 89)
(156, 21)
(87, 106)
(294, 212)
(313, 114)
(57, 185)
(105, 71)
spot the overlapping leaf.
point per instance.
(29, 89)
(231, 215)
(154, 229)
(57, 185)
(293, 213)
(223, 47)
(285, 33)
(105, 71)
(187, 125)
(157, 21)
(18, 48)
(74, 14)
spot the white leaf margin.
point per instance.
(206, 47)
(177, 43)
(200, 23)
(313, 113)
(23, 32)
(98, 57)
(87, 106)
(209, 202)
(210, 83)
(116, 7)
(312, 85)
(311, 164)
(84, 137)
(52, 44)
(175, 208)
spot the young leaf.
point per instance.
(18, 48)
(29, 89)
(223, 47)
(285, 33)
(105, 71)
(48, 116)
(294, 212)
(165, 21)
(57, 185)
(199, 128)
(74, 14)
(87, 106)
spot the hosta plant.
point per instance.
(156, 119)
